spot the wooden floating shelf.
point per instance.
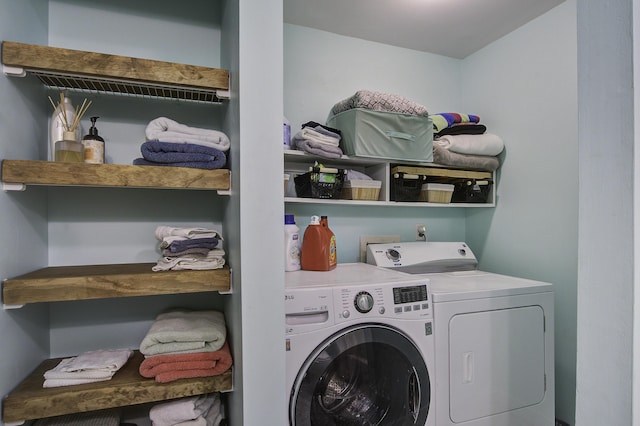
(442, 172)
(65, 283)
(102, 73)
(52, 173)
(29, 400)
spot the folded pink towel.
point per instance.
(167, 368)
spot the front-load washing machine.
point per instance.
(493, 337)
(359, 347)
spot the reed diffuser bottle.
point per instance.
(68, 149)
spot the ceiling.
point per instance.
(454, 28)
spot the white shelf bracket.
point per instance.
(14, 71)
(223, 94)
(230, 291)
(14, 423)
(233, 381)
(13, 186)
(226, 191)
(9, 307)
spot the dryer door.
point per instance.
(365, 375)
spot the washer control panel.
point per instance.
(410, 301)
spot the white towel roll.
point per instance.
(485, 144)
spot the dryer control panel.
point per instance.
(411, 301)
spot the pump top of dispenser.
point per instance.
(93, 131)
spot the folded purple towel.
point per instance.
(158, 153)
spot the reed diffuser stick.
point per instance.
(79, 113)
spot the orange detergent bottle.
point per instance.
(315, 247)
(333, 249)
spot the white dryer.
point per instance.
(494, 337)
(359, 347)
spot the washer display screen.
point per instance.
(409, 294)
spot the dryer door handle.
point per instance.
(467, 367)
(414, 396)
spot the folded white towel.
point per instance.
(88, 367)
(184, 409)
(185, 332)
(56, 383)
(484, 144)
(212, 418)
(100, 360)
(311, 134)
(166, 130)
(163, 232)
(212, 260)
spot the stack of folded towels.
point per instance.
(184, 344)
(189, 248)
(169, 143)
(203, 410)
(318, 139)
(461, 141)
(88, 367)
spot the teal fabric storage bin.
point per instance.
(382, 134)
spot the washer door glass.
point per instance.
(364, 375)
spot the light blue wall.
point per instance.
(524, 87)
(23, 222)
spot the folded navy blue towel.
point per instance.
(193, 164)
(158, 153)
(181, 245)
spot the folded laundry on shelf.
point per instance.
(320, 135)
(168, 130)
(204, 409)
(167, 368)
(185, 232)
(193, 248)
(484, 144)
(320, 149)
(462, 129)
(88, 367)
(379, 101)
(176, 245)
(161, 153)
(317, 139)
(442, 120)
(183, 331)
(214, 259)
(464, 161)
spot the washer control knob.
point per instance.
(363, 302)
(346, 313)
(381, 310)
(393, 255)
